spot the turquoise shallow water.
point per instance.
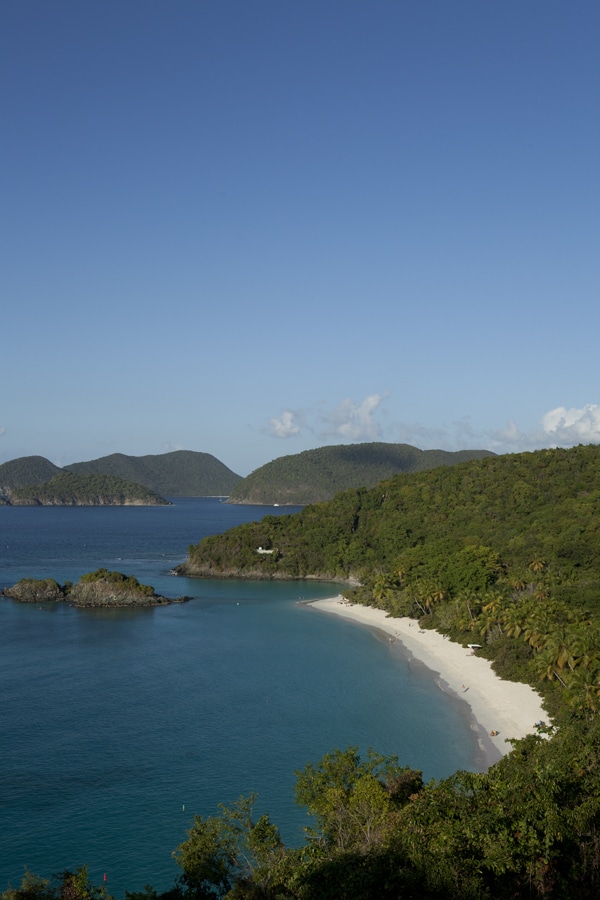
(116, 727)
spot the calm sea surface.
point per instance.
(116, 727)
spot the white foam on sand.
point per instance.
(509, 708)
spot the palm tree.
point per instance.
(384, 586)
(513, 620)
(560, 643)
(426, 594)
(488, 623)
(539, 625)
(584, 689)
(519, 584)
(544, 664)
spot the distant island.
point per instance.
(180, 473)
(101, 588)
(116, 480)
(317, 475)
(66, 489)
(312, 476)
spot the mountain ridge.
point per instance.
(294, 480)
(314, 476)
(181, 473)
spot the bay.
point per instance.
(117, 726)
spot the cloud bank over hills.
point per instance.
(359, 421)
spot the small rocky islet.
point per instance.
(101, 588)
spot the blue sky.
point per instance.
(255, 227)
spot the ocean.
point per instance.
(118, 726)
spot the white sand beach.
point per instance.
(506, 707)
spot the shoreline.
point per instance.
(509, 708)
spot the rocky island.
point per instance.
(96, 589)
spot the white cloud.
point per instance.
(2, 430)
(286, 426)
(573, 426)
(354, 422)
(560, 427)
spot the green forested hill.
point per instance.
(544, 504)
(182, 473)
(26, 470)
(317, 475)
(504, 549)
(67, 489)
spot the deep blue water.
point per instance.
(116, 727)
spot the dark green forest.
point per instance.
(503, 552)
(66, 489)
(181, 473)
(25, 471)
(317, 475)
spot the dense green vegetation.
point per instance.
(317, 475)
(26, 470)
(66, 489)
(128, 582)
(182, 473)
(502, 550)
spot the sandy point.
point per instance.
(502, 710)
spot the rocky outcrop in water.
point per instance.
(31, 590)
(97, 589)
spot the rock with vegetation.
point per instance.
(99, 588)
(317, 475)
(36, 590)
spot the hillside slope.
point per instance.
(317, 475)
(541, 506)
(68, 489)
(26, 470)
(181, 473)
